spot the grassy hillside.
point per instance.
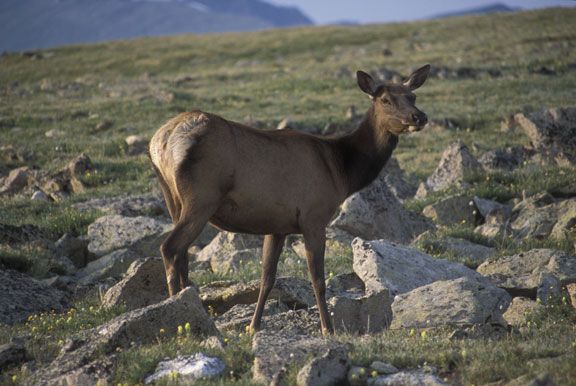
(514, 62)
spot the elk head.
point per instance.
(393, 104)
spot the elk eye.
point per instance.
(385, 101)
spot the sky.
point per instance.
(382, 11)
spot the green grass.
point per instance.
(139, 84)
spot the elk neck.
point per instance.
(364, 152)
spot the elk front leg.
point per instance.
(315, 243)
(270, 253)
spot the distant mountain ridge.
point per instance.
(31, 24)
(491, 8)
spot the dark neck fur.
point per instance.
(365, 152)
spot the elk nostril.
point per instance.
(420, 119)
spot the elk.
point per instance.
(273, 183)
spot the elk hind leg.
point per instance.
(175, 247)
(270, 254)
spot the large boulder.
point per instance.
(400, 269)
(455, 162)
(368, 314)
(139, 326)
(141, 205)
(144, 284)
(552, 133)
(465, 300)
(274, 352)
(541, 216)
(395, 179)
(451, 211)
(109, 233)
(375, 213)
(230, 251)
(330, 368)
(114, 264)
(22, 296)
(521, 310)
(523, 273)
(189, 368)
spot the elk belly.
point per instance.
(256, 218)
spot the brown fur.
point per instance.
(274, 183)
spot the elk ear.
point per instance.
(366, 83)
(417, 78)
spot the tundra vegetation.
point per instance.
(65, 101)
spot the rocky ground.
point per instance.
(394, 284)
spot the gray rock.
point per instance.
(494, 230)
(548, 287)
(463, 248)
(383, 367)
(520, 309)
(96, 372)
(141, 205)
(221, 296)
(375, 213)
(451, 211)
(368, 314)
(77, 167)
(144, 284)
(492, 211)
(114, 264)
(139, 326)
(552, 133)
(399, 269)
(240, 315)
(501, 159)
(455, 162)
(39, 195)
(460, 301)
(541, 216)
(275, 351)
(12, 354)
(22, 296)
(231, 251)
(109, 233)
(408, 378)
(16, 181)
(395, 179)
(521, 274)
(346, 284)
(189, 368)
(326, 370)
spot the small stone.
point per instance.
(383, 368)
(39, 195)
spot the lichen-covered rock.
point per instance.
(22, 296)
(230, 251)
(330, 368)
(520, 310)
(399, 269)
(455, 162)
(552, 133)
(368, 314)
(139, 326)
(109, 233)
(144, 284)
(375, 213)
(451, 211)
(460, 301)
(274, 352)
(114, 264)
(541, 216)
(521, 274)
